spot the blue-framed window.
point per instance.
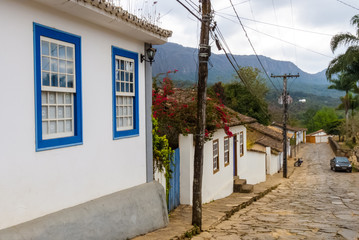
(125, 93)
(58, 104)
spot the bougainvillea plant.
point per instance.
(175, 110)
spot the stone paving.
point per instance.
(315, 203)
(215, 212)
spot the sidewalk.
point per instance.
(215, 212)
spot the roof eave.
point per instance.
(111, 18)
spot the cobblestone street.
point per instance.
(316, 203)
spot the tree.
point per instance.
(347, 62)
(323, 118)
(238, 97)
(308, 119)
(343, 83)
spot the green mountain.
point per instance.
(172, 56)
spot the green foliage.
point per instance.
(162, 155)
(251, 103)
(323, 118)
(176, 111)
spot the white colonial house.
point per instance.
(319, 136)
(267, 144)
(76, 121)
(298, 134)
(224, 158)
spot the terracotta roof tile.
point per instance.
(295, 129)
(124, 15)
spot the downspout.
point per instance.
(148, 114)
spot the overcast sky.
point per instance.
(309, 49)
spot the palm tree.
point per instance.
(349, 61)
(343, 83)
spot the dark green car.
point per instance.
(340, 164)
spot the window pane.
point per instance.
(44, 113)
(68, 125)
(130, 121)
(62, 66)
(131, 88)
(61, 126)
(121, 122)
(122, 65)
(60, 98)
(129, 100)
(43, 97)
(45, 48)
(45, 79)
(68, 98)
(54, 49)
(127, 87)
(52, 112)
(45, 63)
(54, 65)
(117, 111)
(53, 128)
(60, 112)
(125, 122)
(117, 75)
(70, 67)
(129, 110)
(124, 111)
(117, 63)
(52, 98)
(68, 112)
(62, 80)
(121, 111)
(122, 87)
(62, 51)
(118, 87)
(127, 78)
(121, 100)
(131, 77)
(44, 128)
(54, 80)
(70, 81)
(70, 53)
(122, 76)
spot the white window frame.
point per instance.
(226, 150)
(215, 156)
(57, 90)
(124, 95)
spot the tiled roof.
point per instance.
(257, 136)
(289, 135)
(122, 14)
(236, 118)
(266, 131)
(316, 132)
(291, 128)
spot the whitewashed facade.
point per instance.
(36, 179)
(217, 177)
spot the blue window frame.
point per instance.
(125, 93)
(58, 104)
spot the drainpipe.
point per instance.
(148, 114)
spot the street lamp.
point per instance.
(150, 53)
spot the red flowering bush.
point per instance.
(176, 110)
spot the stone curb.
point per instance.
(195, 230)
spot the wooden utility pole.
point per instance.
(203, 56)
(285, 118)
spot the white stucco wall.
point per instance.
(275, 164)
(214, 185)
(33, 183)
(256, 168)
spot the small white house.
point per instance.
(80, 126)
(298, 134)
(319, 136)
(224, 158)
(268, 143)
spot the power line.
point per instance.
(193, 5)
(275, 25)
(234, 4)
(250, 42)
(290, 43)
(189, 10)
(348, 4)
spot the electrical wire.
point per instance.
(189, 10)
(348, 5)
(250, 42)
(234, 5)
(272, 24)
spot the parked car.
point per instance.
(340, 164)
